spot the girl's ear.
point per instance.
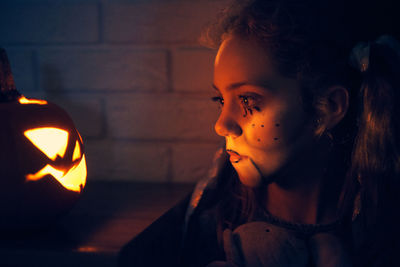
(336, 100)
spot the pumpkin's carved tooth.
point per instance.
(77, 152)
(75, 179)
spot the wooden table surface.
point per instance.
(106, 217)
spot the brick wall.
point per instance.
(131, 75)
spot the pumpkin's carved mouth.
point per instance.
(74, 179)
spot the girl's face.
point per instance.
(261, 117)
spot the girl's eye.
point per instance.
(248, 101)
(218, 99)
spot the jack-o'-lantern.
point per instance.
(42, 160)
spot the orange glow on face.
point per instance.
(24, 100)
(74, 179)
(51, 141)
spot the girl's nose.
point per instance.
(226, 125)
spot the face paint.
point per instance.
(245, 112)
(249, 110)
(248, 104)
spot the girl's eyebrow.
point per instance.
(233, 86)
(237, 85)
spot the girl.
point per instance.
(309, 172)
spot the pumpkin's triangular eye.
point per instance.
(77, 152)
(51, 141)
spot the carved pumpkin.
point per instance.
(42, 161)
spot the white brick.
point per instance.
(22, 68)
(31, 23)
(158, 21)
(129, 161)
(161, 117)
(191, 162)
(193, 70)
(103, 69)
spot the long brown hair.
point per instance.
(312, 41)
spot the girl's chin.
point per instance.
(248, 173)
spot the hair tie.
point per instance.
(359, 56)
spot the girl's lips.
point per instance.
(234, 157)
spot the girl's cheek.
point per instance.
(265, 128)
(264, 134)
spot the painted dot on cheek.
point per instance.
(258, 140)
